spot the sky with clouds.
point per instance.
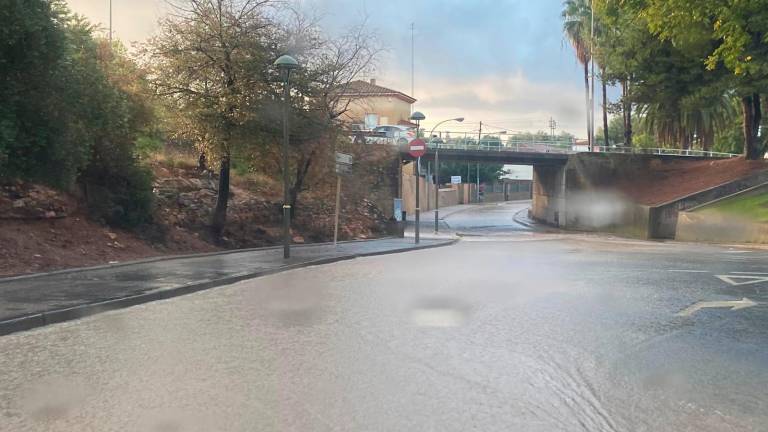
(503, 62)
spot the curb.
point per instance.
(61, 315)
(523, 223)
(173, 257)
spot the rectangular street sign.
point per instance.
(398, 209)
(342, 158)
(455, 179)
(343, 169)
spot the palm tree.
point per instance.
(577, 16)
(688, 120)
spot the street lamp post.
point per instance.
(437, 168)
(286, 64)
(417, 117)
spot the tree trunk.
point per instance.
(752, 116)
(707, 138)
(222, 200)
(586, 89)
(302, 168)
(627, 112)
(685, 141)
(605, 108)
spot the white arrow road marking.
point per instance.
(733, 304)
(731, 279)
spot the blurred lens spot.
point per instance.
(53, 398)
(439, 313)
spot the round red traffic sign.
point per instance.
(417, 148)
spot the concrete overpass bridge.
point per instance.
(572, 187)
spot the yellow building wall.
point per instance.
(390, 109)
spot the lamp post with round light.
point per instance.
(417, 117)
(286, 64)
(437, 167)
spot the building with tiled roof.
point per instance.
(369, 105)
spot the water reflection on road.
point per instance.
(535, 335)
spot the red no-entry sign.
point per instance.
(417, 148)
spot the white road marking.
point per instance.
(731, 279)
(750, 273)
(734, 305)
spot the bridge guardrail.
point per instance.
(664, 151)
(564, 147)
(510, 145)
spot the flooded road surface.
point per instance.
(531, 333)
(488, 218)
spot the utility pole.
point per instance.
(110, 22)
(552, 127)
(480, 135)
(477, 174)
(413, 65)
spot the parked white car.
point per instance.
(397, 134)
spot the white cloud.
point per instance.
(510, 101)
(496, 95)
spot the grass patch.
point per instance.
(753, 207)
(172, 159)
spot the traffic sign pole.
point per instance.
(418, 210)
(417, 148)
(437, 186)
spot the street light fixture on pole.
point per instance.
(417, 117)
(286, 64)
(437, 167)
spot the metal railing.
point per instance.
(509, 145)
(567, 147)
(664, 151)
(554, 146)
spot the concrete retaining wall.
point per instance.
(449, 194)
(718, 228)
(664, 218)
(578, 196)
(705, 224)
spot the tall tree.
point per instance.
(209, 62)
(737, 33)
(38, 73)
(72, 110)
(577, 21)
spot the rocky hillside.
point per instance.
(44, 229)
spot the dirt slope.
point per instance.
(42, 229)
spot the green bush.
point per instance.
(119, 195)
(74, 109)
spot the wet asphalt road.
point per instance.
(523, 331)
(491, 218)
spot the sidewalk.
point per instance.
(36, 300)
